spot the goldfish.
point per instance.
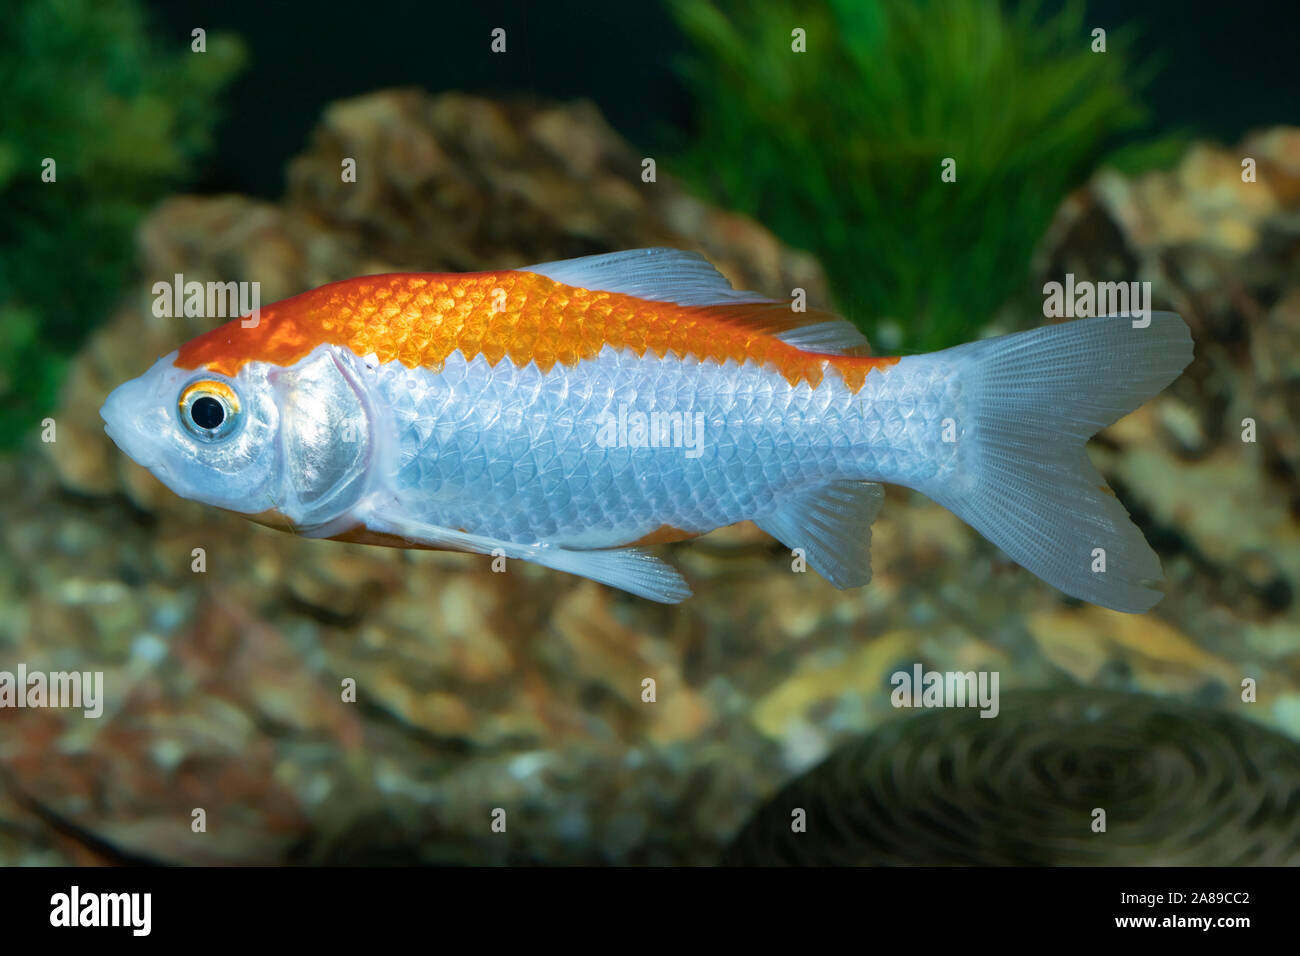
(572, 413)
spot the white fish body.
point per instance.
(728, 408)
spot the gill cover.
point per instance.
(324, 439)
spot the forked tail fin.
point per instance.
(1023, 478)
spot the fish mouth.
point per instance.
(121, 446)
(156, 466)
(131, 442)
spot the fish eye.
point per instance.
(209, 410)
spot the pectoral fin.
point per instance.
(627, 569)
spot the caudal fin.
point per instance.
(1023, 478)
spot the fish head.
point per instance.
(208, 437)
(289, 442)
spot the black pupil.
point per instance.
(207, 412)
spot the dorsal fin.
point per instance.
(829, 334)
(660, 275)
(689, 279)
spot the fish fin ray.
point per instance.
(627, 569)
(1024, 480)
(688, 279)
(832, 524)
(827, 334)
(659, 275)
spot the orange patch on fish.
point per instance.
(664, 534)
(363, 535)
(419, 319)
(271, 518)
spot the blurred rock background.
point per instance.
(947, 788)
(522, 690)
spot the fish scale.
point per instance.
(472, 412)
(762, 438)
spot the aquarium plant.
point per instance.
(833, 124)
(99, 121)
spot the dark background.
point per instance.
(1225, 68)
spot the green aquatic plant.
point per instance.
(122, 119)
(840, 149)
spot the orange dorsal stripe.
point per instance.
(422, 318)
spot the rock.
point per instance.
(948, 788)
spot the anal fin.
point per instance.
(832, 525)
